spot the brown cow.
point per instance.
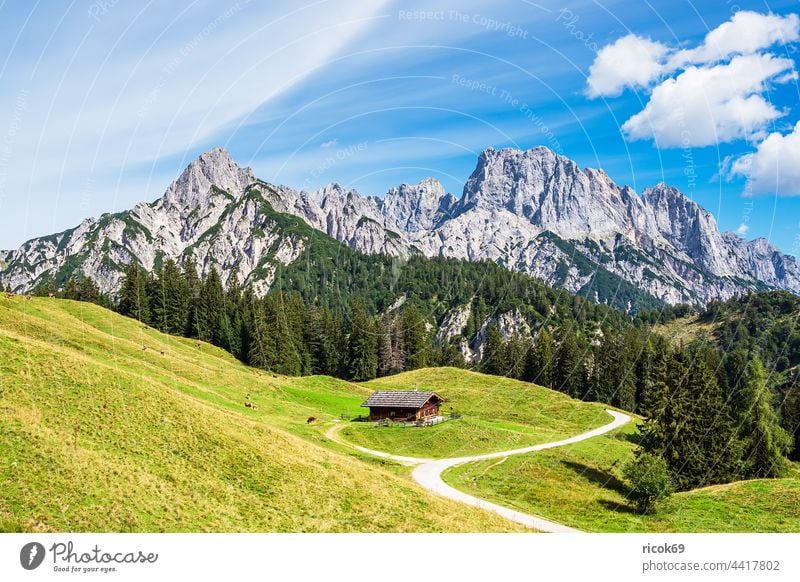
(311, 419)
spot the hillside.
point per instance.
(109, 425)
(582, 486)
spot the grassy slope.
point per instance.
(499, 413)
(685, 330)
(98, 434)
(581, 486)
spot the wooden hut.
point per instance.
(403, 405)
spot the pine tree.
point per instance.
(72, 290)
(541, 359)
(452, 356)
(516, 349)
(194, 288)
(391, 346)
(790, 416)
(231, 334)
(46, 288)
(630, 348)
(605, 373)
(566, 371)
(494, 352)
(262, 348)
(415, 340)
(362, 344)
(283, 347)
(90, 292)
(765, 442)
(660, 404)
(314, 338)
(694, 432)
(133, 299)
(170, 299)
(211, 318)
(645, 373)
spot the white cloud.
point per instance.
(635, 61)
(774, 168)
(745, 33)
(328, 144)
(706, 95)
(742, 229)
(709, 105)
(631, 61)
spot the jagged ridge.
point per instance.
(533, 211)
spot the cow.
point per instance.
(311, 419)
(51, 295)
(250, 405)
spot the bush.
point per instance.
(649, 481)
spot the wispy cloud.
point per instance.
(118, 91)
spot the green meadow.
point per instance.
(581, 485)
(497, 414)
(108, 425)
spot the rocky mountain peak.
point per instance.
(514, 179)
(677, 216)
(534, 211)
(194, 186)
(418, 207)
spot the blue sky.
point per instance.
(105, 102)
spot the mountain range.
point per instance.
(533, 211)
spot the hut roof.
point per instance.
(400, 399)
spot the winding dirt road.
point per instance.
(428, 472)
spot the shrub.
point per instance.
(649, 481)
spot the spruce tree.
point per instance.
(391, 345)
(541, 359)
(170, 300)
(193, 288)
(362, 344)
(566, 372)
(211, 317)
(452, 356)
(790, 417)
(494, 352)
(630, 347)
(133, 299)
(696, 435)
(516, 349)
(415, 338)
(262, 348)
(765, 442)
(232, 335)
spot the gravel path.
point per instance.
(428, 472)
